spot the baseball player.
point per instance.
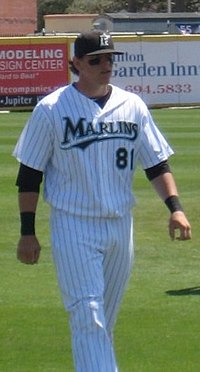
(85, 140)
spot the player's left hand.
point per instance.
(178, 221)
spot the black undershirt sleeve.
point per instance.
(157, 170)
(29, 179)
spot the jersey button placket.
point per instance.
(104, 179)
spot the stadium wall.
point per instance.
(163, 70)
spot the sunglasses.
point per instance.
(97, 60)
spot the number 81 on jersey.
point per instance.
(124, 158)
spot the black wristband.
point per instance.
(27, 223)
(173, 204)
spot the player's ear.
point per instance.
(77, 63)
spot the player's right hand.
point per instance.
(28, 249)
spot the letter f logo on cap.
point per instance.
(104, 40)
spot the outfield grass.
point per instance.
(158, 325)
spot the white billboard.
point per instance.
(163, 70)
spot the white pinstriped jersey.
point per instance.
(89, 154)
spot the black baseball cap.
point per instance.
(94, 42)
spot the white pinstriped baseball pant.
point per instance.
(93, 259)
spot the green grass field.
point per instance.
(158, 325)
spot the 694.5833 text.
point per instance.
(160, 89)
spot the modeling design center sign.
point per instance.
(28, 72)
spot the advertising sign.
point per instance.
(162, 70)
(188, 28)
(30, 71)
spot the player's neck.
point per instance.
(93, 92)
